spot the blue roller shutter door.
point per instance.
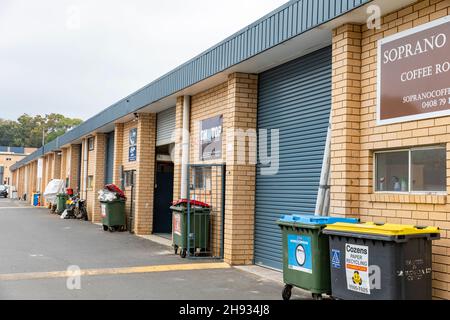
(296, 99)
(109, 172)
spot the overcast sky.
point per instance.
(78, 57)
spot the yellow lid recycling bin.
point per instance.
(381, 261)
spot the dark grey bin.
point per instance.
(398, 259)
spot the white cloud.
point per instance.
(79, 57)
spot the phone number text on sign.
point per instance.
(430, 99)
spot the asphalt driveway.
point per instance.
(36, 249)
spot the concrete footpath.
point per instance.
(37, 248)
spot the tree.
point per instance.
(27, 130)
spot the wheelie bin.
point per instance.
(199, 228)
(113, 215)
(306, 253)
(36, 199)
(61, 199)
(381, 261)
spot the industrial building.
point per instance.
(281, 80)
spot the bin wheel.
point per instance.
(175, 249)
(183, 253)
(287, 292)
(105, 228)
(317, 296)
(112, 229)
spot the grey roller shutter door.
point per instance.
(296, 99)
(165, 126)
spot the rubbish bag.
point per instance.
(110, 193)
(106, 195)
(54, 187)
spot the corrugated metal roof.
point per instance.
(282, 24)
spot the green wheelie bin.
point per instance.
(61, 199)
(113, 215)
(199, 222)
(306, 253)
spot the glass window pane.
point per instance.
(429, 170)
(392, 173)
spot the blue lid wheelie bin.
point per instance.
(306, 253)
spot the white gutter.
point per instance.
(185, 146)
(27, 172)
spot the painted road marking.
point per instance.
(9, 208)
(113, 271)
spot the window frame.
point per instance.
(129, 178)
(90, 182)
(410, 191)
(91, 143)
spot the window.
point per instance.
(419, 170)
(428, 168)
(91, 143)
(90, 182)
(128, 178)
(201, 178)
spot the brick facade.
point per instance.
(118, 154)
(145, 177)
(140, 199)
(236, 100)
(74, 165)
(122, 160)
(177, 151)
(6, 161)
(356, 136)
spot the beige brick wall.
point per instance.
(91, 170)
(47, 174)
(118, 154)
(356, 136)
(63, 168)
(145, 177)
(124, 161)
(7, 160)
(57, 162)
(346, 96)
(177, 152)
(73, 170)
(144, 167)
(96, 170)
(240, 178)
(208, 104)
(31, 171)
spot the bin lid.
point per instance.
(384, 230)
(306, 219)
(192, 202)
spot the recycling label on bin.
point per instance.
(103, 210)
(176, 224)
(357, 268)
(299, 253)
